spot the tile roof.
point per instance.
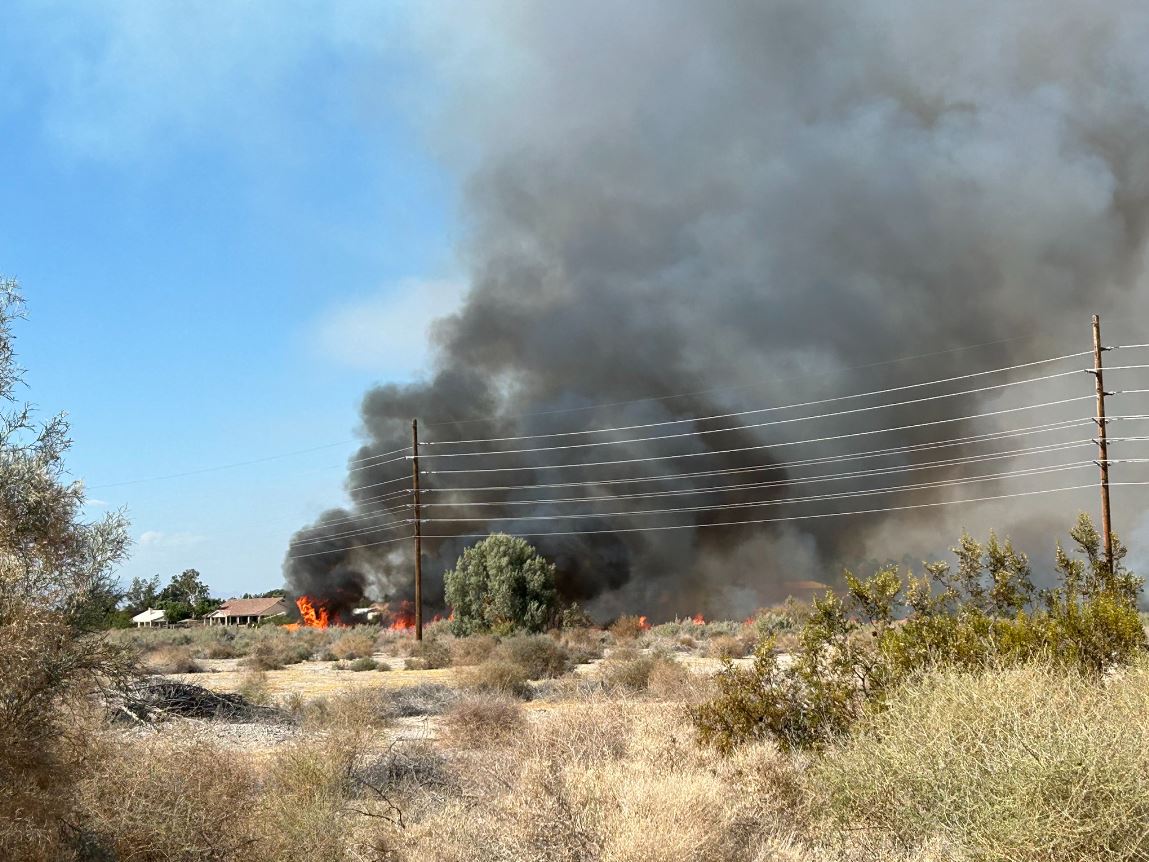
(251, 607)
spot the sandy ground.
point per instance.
(315, 679)
(312, 679)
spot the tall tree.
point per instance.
(53, 565)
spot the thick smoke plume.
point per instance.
(761, 203)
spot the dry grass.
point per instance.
(428, 655)
(496, 677)
(152, 800)
(729, 647)
(363, 710)
(583, 644)
(626, 628)
(472, 650)
(484, 722)
(1021, 764)
(353, 645)
(172, 659)
(633, 671)
(540, 656)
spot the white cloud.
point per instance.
(389, 332)
(160, 539)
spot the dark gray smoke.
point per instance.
(762, 203)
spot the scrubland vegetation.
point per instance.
(971, 730)
(959, 714)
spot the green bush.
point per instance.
(1027, 763)
(852, 650)
(540, 656)
(500, 585)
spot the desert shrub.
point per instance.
(484, 722)
(627, 627)
(280, 649)
(172, 659)
(254, 686)
(428, 698)
(852, 650)
(573, 616)
(500, 585)
(1027, 763)
(773, 621)
(159, 801)
(727, 647)
(472, 650)
(406, 770)
(540, 656)
(497, 677)
(583, 644)
(304, 801)
(221, 648)
(428, 655)
(633, 671)
(363, 709)
(353, 645)
(587, 732)
(366, 663)
(670, 680)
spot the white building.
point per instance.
(150, 618)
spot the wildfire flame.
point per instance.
(313, 614)
(698, 620)
(402, 618)
(643, 624)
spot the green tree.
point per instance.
(499, 585)
(53, 564)
(186, 596)
(141, 594)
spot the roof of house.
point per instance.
(151, 615)
(251, 607)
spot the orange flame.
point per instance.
(312, 615)
(643, 624)
(698, 620)
(403, 618)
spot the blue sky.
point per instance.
(227, 223)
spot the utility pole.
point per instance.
(1102, 444)
(419, 531)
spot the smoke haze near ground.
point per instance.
(763, 203)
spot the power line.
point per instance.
(800, 404)
(856, 474)
(366, 545)
(843, 495)
(783, 519)
(836, 371)
(744, 427)
(987, 437)
(764, 445)
(895, 489)
(359, 532)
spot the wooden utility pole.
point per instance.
(418, 531)
(1102, 444)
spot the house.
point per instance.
(243, 612)
(150, 618)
